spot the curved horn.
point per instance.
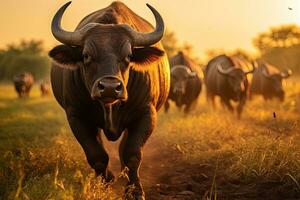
(148, 39)
(265, 73)
(66, 37)
(188, 70)
(286, 74)
(224, 71)
(254, 65)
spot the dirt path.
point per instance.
(164, 175)
(167, 175)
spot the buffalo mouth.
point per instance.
(179, 93)
(110, 100)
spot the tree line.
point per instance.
(280, 46)
(26, 56)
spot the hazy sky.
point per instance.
(206, 24)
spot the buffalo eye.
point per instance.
(87, 58)
(128, 58)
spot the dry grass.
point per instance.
(259, 154)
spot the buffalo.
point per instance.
(267, 81)
(224, 77)
(23, 83)
(185, 82)
(111, 74)
(45, 88)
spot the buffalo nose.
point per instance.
(116, 87)
(110, 87)
(179, 90)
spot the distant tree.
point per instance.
(188, 49)
(280, 46)
(172, 46)
(211, 53)
(242, 54)
(277, 37)
(25, 56)
(170, 43)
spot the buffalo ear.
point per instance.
(143, 58)
(66, 56)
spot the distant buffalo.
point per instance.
(23, 83)
(224, 77)
(45, 88)
(111, 74)
(267, 81)
(185, 82)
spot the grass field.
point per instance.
(205, 155)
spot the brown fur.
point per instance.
(23, 83)
(144, 73)
(189, 84)
(268, 87)
(231, 87)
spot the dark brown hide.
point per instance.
(185, 82)
(23, 83)
(107, 83)
(267, 81)
(225, 78)
(45, 88)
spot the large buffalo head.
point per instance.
(274, 82)
(236, 78)
(105, 53)
(180, 75)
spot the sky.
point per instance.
(206, 24)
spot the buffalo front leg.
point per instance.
(210, 98)
(227, 103)
(121, 149)
(86, 134)
(241, 105)
(138, 133)
(167, 106)
(187, 108)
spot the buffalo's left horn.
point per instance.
(66, 37)
(148, 39)
(286, 74)
(225, 71)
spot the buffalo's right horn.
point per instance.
(66, 37)
(265, 73)
(286, 74)
(254, 65)
(148, 39)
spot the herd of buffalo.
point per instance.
(112, 75)
(23, 83)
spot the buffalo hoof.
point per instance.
(109, 176)
(134, 197)
(134, 193)
(140, 198)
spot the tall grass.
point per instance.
(40, 159)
